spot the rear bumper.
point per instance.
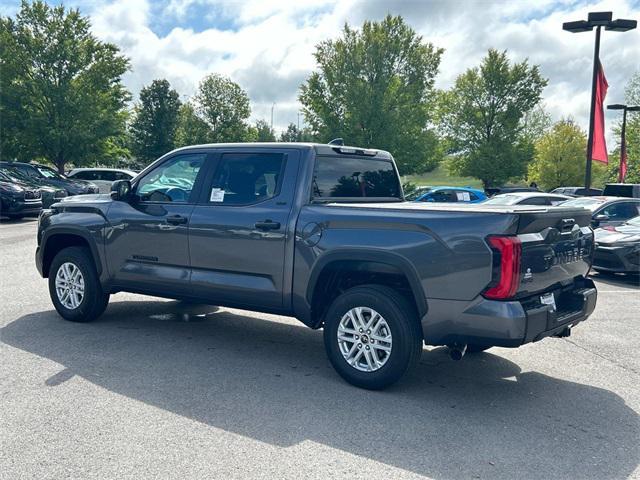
(507, 324)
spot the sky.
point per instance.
(267, 45)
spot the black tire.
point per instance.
(94, 301)
(471, 348)
(403, 322)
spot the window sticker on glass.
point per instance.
(217, 195)
(466, 197)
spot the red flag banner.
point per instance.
(599, 145)
(623, 161)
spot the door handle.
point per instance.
(176, 220)
(267, 225)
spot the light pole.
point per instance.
(623, 140)
(596, 20)
(272, 107)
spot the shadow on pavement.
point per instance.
(272, 382)
(617, 279)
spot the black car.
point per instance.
(607, 211)
(50, 194)
(578, 191)
(618, 248)
(53, 178)
(17, 201)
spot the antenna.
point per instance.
(337, 141)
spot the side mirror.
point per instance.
(601, 218)
(121, 190)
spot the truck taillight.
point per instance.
(506, 276)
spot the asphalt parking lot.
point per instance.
(159, 389)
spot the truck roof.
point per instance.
(320, 148)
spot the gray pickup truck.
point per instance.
(322, 233)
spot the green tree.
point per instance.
(373, 88)
(632, 135)
(559, 157)
(484, 118)
(62, 95)
(153, 129)
(191, 129)
(264, 132)
(224, 106)
(291, 134)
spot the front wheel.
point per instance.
(74, 286)
(372, 336)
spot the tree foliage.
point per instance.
(224, 106)
(62, 97)
(153, 129)
(295, 134)
(373, 88)
(484, 118)
(264, 132)
(560, 157)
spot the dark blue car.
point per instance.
(453, 194)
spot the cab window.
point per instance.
(246, 178)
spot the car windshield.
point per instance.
(590, 203)
(504, 199)
(49, 173)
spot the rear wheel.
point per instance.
(74, 287)
(372, 336)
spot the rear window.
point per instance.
(504, 199)
(347, 177)
(590, 203)
(619, 190)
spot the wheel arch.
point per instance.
(57, 240)
(367, 263)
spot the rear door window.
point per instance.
(348, 177)
(246, 178)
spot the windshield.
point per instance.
(503, 200)
(590, 203)
(49, 173)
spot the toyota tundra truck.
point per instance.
(322, 233)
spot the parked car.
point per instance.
(527, 198)
(321, 233)
(42, 172)
(103, 177)
(618, 248)
(631, 190)
(577, 191)
(607, 211)
(452, 195)
(50, 194)
(491, 191)
(17, 201)
(418, 192)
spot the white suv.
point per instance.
(103, 177)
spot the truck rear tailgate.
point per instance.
(557, 248)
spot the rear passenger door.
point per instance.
(239, 228)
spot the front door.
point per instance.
(147, 243)
(239, 229)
